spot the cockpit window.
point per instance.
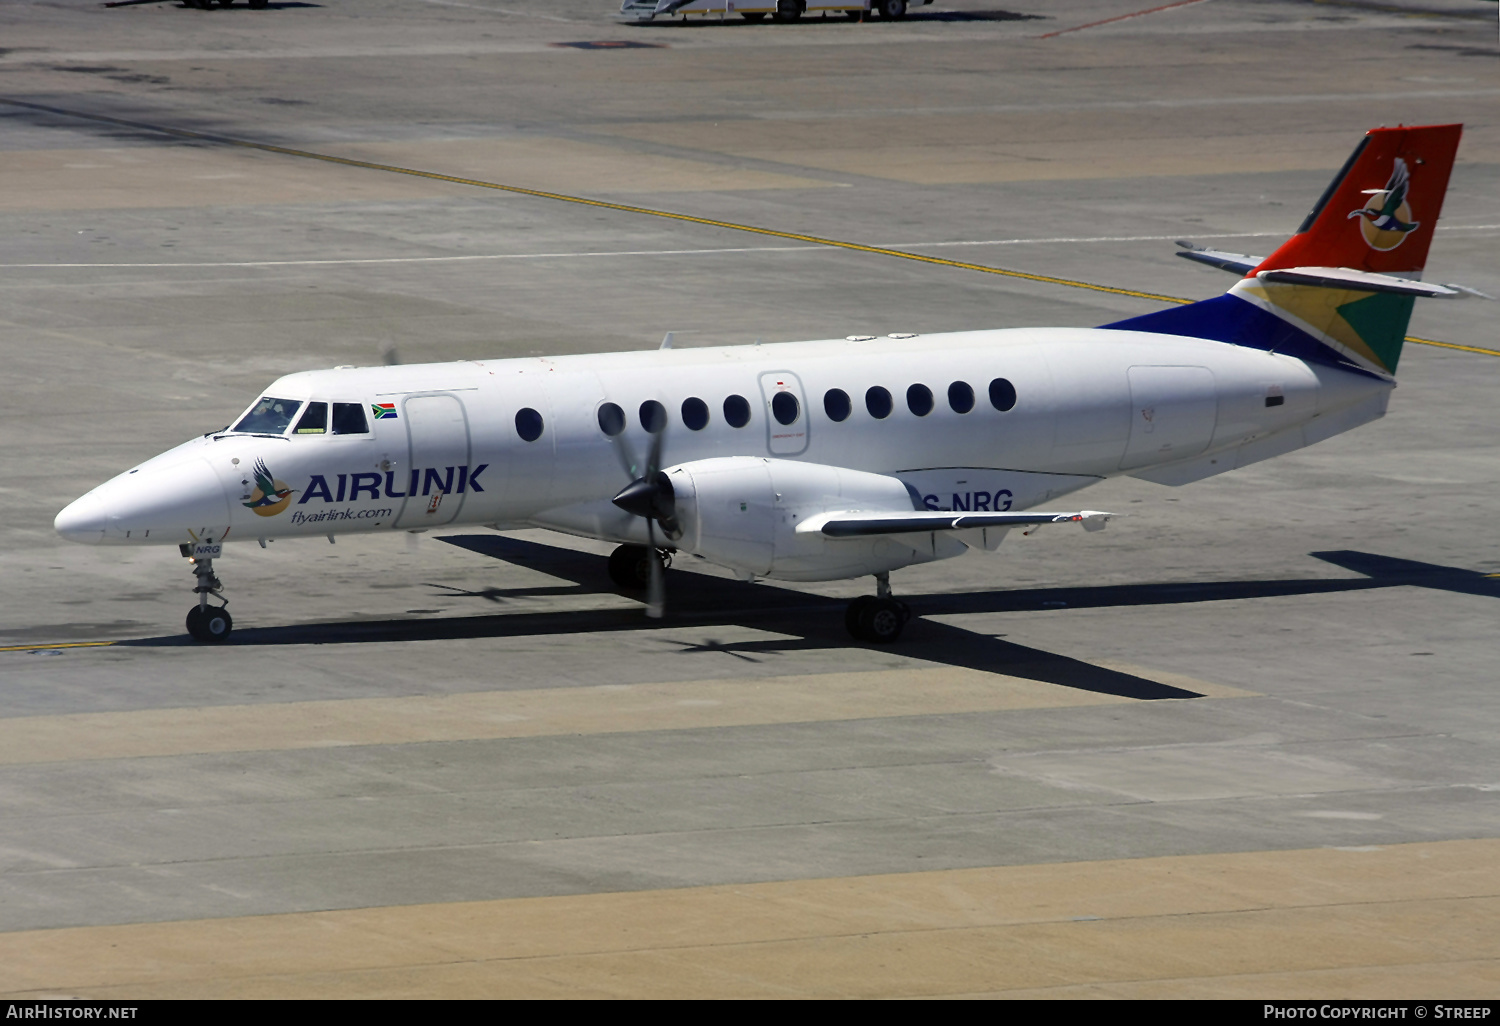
(349, 419)
(270, 416)
(314, 420)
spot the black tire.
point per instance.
(853, 613)
(882, 620)
(257, 5)
(892, 9)
(752, 15)
(629, 567)
(225, 3)
(209, 624)
(788, 10)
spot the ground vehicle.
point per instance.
(755, 10)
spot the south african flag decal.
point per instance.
(384, 411)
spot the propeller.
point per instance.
(651, 497)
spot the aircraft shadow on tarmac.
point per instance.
(913, 14)
(815, 623)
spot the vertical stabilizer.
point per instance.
(1336, 291)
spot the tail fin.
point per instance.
(1341, 289)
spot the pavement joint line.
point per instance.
(1122, 17)
(649, 211)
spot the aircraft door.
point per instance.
(439, 434)
(786, 413)
(1173, 411)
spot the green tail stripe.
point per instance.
(1381, 321)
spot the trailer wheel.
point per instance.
(752, 15)
(892, 9)
(788, 10)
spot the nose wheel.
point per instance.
(879, 617)
(205, 622)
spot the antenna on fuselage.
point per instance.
(666, 343)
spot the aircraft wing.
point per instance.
(857, 524)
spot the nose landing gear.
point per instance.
(879, 617)
(205, 622)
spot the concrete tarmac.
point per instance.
(1244, 743)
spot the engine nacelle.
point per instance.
(742, 512)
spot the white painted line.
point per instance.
(695, 252)
(500, 10)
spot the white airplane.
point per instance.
(822, 460)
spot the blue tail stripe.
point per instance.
(1230, 319)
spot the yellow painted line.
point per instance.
(288, 151)
(629, 208)
(67, 644)
(1395, 921)
(543, 712)
(1453, 345)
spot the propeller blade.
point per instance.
(653, 456)
(656, 591)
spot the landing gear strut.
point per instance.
(630, 567)
(879, 617)
(205, 622)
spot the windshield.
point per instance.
(270, 416)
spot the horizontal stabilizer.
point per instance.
(1239, 263)
(857, 524)
(1358, 281)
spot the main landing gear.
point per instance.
(205, 622)
(879, 617)
(630, 566)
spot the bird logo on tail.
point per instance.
(1385, 219)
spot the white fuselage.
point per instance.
(1088, 404)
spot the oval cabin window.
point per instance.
(1002, 395)
(737, 411)
(529, 424)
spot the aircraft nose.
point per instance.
(82, 520)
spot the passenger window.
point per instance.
(695, 414)
(653, 416)
(611, 419)
(529, 424)
(878, 402)
(737, 411)
(270, 416)
(314, 420)
(919, 400)
(960, 397)
(1002, 394)
(349, 418)
(785, 407)
(836, 404)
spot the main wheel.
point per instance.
(854, 612)
(207, 624)
(788, 10)
(752, 15)
(881, 620)
(630, 567)
(892, 9)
